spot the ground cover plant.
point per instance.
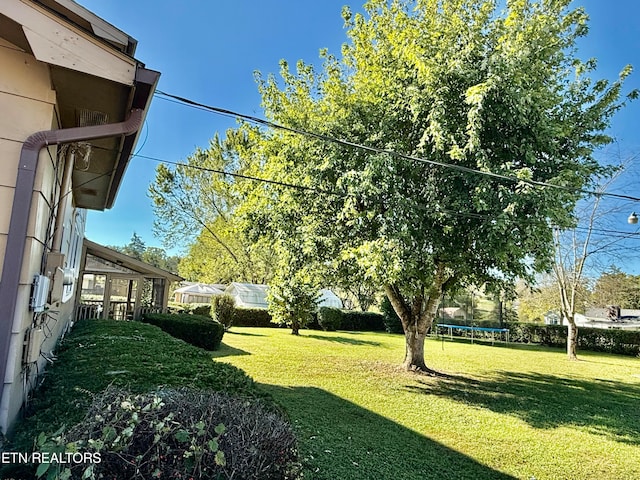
(517, 411)
(131, 357)
(180, 433)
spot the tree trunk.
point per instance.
(295, 327)
(416, 317)
(414, 352)
(572, 339)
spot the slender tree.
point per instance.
(195, 203)
(577, 250)
(465, 111)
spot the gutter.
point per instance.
(18, 226)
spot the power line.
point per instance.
(245, 177)
(474, 215)
(260, 121)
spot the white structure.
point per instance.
(196, 293)
(329, 299)
(453, 313)
(251, 295)
(248, 295)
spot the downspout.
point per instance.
(23, 194)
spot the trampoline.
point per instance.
(451, 328)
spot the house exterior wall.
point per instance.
(28, 105)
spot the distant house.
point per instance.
(196, 293)
(553, 318)
(248, 295)
(73, 100)
(600, 318)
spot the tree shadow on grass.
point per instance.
(603, 407)
(344, 340)
(341, 440)
(228, 351)
(243, 334)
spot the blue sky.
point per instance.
(208, 51)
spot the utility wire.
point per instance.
(346, 143)
(474, 215)
(245, 177)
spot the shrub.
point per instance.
(223, 308)
(356, 321)
(313, 323)
(201, 309)
(329, 318)
(392, 323)
(194, 308)
(625, 342)
(197, 330)
(178, 434)
(252, 317)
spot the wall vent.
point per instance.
(90, 118)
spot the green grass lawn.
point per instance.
(502, 412)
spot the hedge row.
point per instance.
(197, 330)
(331, 318)
(252, 317)
(625, 342)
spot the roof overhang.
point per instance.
(131, 263)
(96, 79)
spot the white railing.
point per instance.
(144, 310)
(88, 311)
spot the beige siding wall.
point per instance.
(28, 105)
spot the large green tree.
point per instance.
(441, 93)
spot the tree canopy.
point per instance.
(478, 127)
(615, 287)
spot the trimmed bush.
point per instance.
(178, 434)
(197, 330)
(252, 317)
(392, 323)
(329, 318)
(550, 335)
(313, 323)
(223, 309)
(357, 321)
(202, 310)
